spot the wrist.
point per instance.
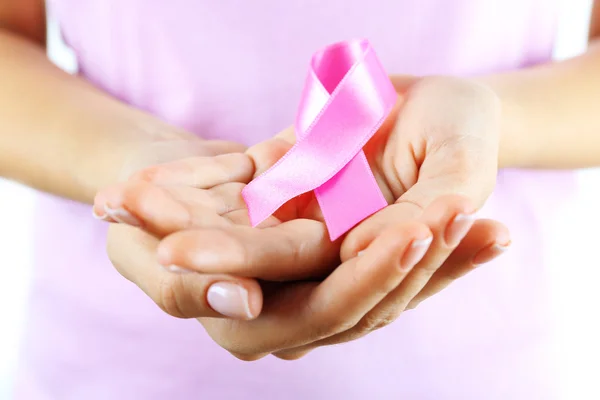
(120, 146)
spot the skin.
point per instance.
(538, 106)
(211, 224)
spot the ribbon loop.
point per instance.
(346, 98)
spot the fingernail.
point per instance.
(415, 252)
(229, 299)
(177, 270)
(121, 215)
(458, 229)
(489, 253)
(103, 217)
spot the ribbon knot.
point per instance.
(346, 98)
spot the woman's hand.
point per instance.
(444, 141)
(404, 265)
(133, 251)
(443, 138)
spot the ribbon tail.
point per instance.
(349, 197)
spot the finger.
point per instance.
(306, 312)
(363, 234)
(439, 217)
(486, 240)
(403, 210)
(183, 295)
(267, 153)
(449, 218)
(218, 147)
(298, 249)
(200, 172)
(162, 210)
(358, 285)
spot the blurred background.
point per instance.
(572, 257)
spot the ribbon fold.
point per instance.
(346, 98)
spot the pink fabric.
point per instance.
(234, 70)
(346, 98)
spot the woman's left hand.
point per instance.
(442, 141)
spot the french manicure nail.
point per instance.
(489, 253)
(177, 270)
(458, 229)
(103, 217)
(121, 215)
(415, 252)
(230, 300)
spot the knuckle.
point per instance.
(457, 272)
(233, 188)
(245, 256)
(394, 273)
(228, 197)
(133, 195)
(372, 323)
(219, 169)
(209, 198)
(168, 296)
(335, 327)
(324, 330)
(352, 244)
(185, 216)
(234, 337)
(243, 166)
(324, 324)
(425, 270)
(293, 249)
(147, 175)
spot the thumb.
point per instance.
(266, 154)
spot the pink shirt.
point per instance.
(234, 69)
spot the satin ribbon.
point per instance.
(346, 98)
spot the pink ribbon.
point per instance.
(346, 98)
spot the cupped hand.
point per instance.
(404, 265)
(442, 140)
(133, 251)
